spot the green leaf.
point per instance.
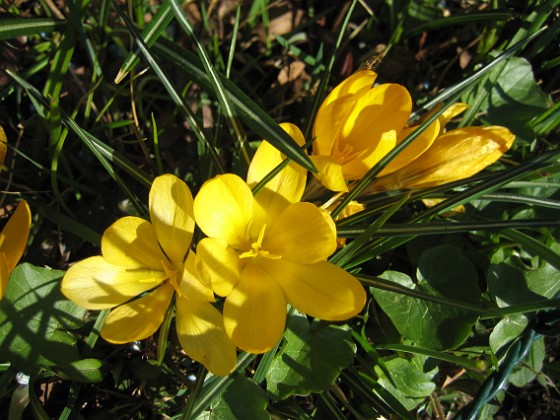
(150, 34)
(509, 285)
(528, 369)
(506, 330)
(244, 399)
(311, 358)
(442, 271)
(409, 383)
(515, 98)
(450, 273)
(34, 317)
(87, 371)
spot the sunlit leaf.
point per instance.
(34, 318)
(243, 399)
(506, 330)
(409, 382)
(311, 358)
(84, 371)
(444, 272)
(533, 364)
(515, 99)
(509, 285)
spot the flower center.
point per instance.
(345, 154)
(173, 275)
(256, 249)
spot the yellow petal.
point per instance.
(455, 155)
(415, 149)
(357, 167)
(3, 146)
(354, 84)
(223, 208)
(13, 237)
(218, 265)
(132, 242)
(329, 173)
(138, 319)
(95, 283)
(321, 290)
(191, 286)
(171, 213)
(301, 234)
(328, 124)
(290, 182)
(383, 108)
(450, 113)
(268, 206)
(4, 274)
(200, 329)
(255, 311)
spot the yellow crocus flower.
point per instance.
(13, 240)
(456, 154)
(142, 266)
(263, 252)
(358, 124)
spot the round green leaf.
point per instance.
(34, 319)
(243, 399)
(407, 382)
(85, 370)
(442, 272)
(311, 358)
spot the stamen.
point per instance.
(173, 275)
(256, 248)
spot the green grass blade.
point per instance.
(533, 23)
(442, 228)
(217, 86)
(75, 20)
(103, 152)
(345, 254)
(216, 385)
(320, 94)
(68, 224)
(439, 355)
(469, 81)
(390, 286)
(12, 28)
(497, 181)
(247, 110)
(533, 246)
(475, 17)
(150, 34)
(523, 199)
(173, 93)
